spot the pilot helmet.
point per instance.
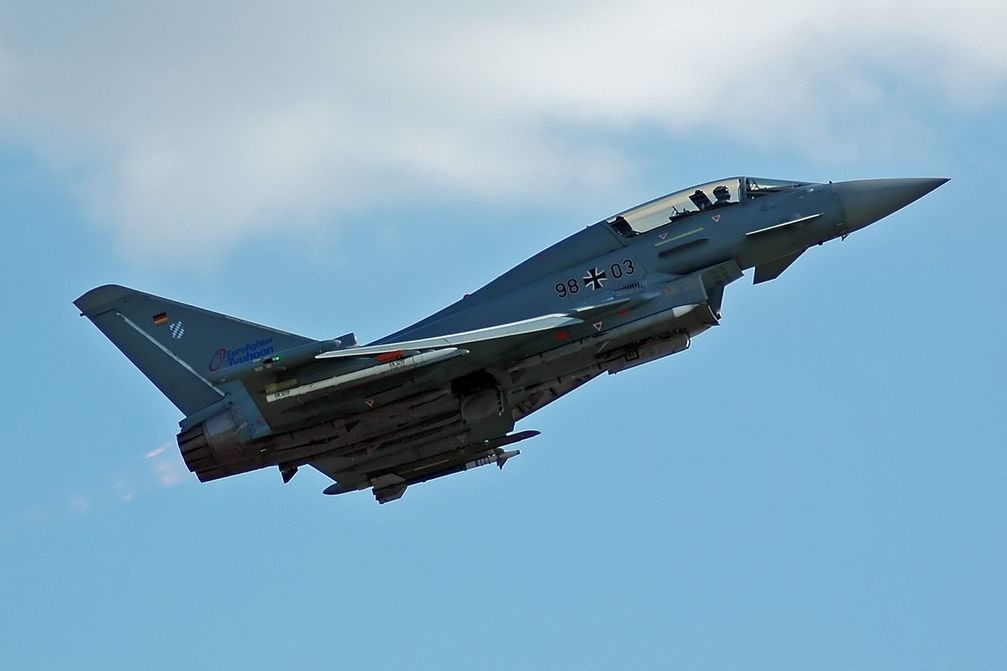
(722, 193)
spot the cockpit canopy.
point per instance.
(681, 204)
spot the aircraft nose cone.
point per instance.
(865, 201)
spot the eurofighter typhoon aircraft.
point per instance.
(443, 395)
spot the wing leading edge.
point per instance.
(510, 332)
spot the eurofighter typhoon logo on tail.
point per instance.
(250, 351)
(444, 395)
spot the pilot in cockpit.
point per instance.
(723, 196)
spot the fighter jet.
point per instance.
(444, 394)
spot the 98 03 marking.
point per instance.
(595, 278)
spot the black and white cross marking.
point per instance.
(595, 279)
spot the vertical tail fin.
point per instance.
(177, 346)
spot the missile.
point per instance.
(499, 457)
(390, 486)
(607, 341)
(395, 366)
(418, 472)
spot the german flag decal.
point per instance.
(161, 318)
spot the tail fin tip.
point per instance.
(94, 301)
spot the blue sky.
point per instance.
(817, 483)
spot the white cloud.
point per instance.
(168, 473)
(165, 469)
(79, 503)
(198, 126)
(130, 481)
(124, 491)
(157, 451)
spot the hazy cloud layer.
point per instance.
(157, 469)
(205, 123)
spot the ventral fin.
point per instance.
(773, 269)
